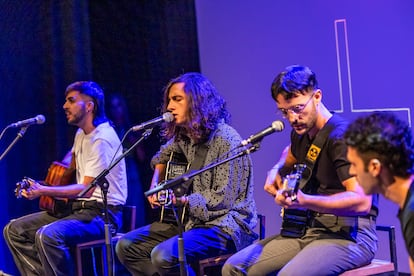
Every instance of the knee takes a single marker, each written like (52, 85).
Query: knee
(39, 237)
(287, 272)
(6, 232)
(161, 259)
(227, 269)
(48, 236)
(121, 249)
(10, 232)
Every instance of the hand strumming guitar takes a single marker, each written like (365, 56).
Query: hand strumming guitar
(153, 201)
(175, 166)
(284, 199)
(273, 181)
(289, 195)
(182, 200)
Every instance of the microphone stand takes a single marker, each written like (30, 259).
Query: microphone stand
(19, 135)
(101, 181)
(181, 256)
(169, 184)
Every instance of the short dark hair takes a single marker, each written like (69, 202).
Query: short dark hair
(295, 79)
(94, 91)
(383, 136)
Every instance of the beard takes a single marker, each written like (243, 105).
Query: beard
(303, 127)
(77, 118)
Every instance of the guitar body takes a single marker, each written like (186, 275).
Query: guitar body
(295, 221)
(56, 176)
(176, 166)
(58, 207)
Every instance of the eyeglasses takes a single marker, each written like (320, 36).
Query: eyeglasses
(296, 110)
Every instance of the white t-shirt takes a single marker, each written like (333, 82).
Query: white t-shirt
(93, 153)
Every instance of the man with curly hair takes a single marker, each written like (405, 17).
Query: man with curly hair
(220, 205)
(381, 152)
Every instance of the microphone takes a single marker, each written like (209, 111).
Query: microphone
(39, 119)
(166, 117)
(275, 126)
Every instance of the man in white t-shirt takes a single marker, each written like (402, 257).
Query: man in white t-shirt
(41, 242)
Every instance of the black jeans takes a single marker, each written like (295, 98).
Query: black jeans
(153, 249)
(41, 244)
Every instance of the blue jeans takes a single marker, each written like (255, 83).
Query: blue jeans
(41, 244)
(153, 249)
(319, 252)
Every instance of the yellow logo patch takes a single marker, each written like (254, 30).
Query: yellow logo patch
(313, 153)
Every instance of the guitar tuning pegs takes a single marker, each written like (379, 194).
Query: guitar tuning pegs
(20, 186)
(300, 167)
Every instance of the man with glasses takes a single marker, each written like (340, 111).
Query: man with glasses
(328, 224)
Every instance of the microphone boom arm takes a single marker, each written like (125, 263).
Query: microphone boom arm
(17, 138)
(101, 177)
(187, 176)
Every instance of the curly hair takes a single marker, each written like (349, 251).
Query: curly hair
(295, 79)
(383, 136)
(94, 91)
(206, 107)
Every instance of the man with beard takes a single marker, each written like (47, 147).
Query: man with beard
(328, 223)
(41, 242)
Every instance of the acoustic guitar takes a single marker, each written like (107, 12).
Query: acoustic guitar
(294, 221)
(176, 166)
(57, 175)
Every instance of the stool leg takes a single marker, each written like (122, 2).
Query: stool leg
(79, 261)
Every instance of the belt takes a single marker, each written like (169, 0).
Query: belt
(93, 204)
(371, 217)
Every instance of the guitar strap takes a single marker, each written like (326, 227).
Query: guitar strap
(198, 162)
(200, 157)
(315, 149)
(295, 221)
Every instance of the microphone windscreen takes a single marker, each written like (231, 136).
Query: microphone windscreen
(40, 119)
(278, 125)
(168, 117)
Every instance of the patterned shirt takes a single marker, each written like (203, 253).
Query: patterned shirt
(223, 195)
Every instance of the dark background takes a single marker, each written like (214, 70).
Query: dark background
(130, 47)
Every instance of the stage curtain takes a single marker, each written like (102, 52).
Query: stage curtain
(129, 47)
